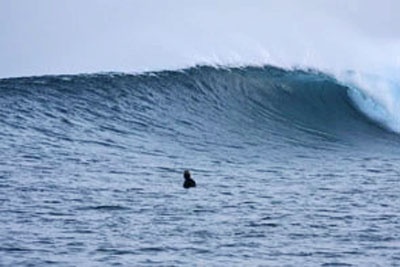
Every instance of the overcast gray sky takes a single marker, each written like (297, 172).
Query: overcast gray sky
(74, 36)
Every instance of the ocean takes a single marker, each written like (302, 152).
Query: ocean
(294, 167)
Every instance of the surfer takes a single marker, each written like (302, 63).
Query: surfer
(189, 182)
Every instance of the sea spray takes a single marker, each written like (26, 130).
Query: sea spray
(377, 96)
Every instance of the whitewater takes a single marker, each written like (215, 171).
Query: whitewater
(287, 116)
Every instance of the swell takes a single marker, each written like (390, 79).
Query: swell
(203, 107)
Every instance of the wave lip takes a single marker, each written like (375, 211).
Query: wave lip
(376, 96)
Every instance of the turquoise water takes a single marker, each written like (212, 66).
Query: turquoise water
(289, 171)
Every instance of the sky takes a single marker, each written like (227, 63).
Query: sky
(73, 36)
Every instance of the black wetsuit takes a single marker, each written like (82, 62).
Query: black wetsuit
(189, 182)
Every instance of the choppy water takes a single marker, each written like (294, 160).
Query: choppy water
(289, 171)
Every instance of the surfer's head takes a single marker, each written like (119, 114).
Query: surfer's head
(186, 174)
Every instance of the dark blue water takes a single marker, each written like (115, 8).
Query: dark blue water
(289, 172)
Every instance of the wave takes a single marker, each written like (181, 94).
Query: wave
(219, 107)
(150, 39)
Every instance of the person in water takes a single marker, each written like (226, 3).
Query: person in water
(189, 182)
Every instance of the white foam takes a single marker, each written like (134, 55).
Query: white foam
(378, 96)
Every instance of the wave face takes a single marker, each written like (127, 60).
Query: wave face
(254, 105)
(202, 109)
(89, 156)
